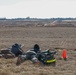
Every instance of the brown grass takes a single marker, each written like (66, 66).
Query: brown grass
(47, 38)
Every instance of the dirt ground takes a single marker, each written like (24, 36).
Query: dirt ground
(47, 38)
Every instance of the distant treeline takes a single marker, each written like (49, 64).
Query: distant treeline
(28, 18)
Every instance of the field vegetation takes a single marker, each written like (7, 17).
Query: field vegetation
(47, 38)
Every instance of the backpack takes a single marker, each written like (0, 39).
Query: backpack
(47, 57)
(16, 49)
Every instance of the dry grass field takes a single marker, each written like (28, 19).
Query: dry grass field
(46, 37)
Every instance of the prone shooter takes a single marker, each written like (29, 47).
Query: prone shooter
(36, 56)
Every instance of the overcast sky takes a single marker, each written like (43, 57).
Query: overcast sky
(37, 8)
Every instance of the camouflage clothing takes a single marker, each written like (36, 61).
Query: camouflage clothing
(29, 55)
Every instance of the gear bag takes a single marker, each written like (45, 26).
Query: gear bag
(47, 57)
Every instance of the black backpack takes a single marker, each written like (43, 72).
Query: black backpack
(16, 49)
(47, 57)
